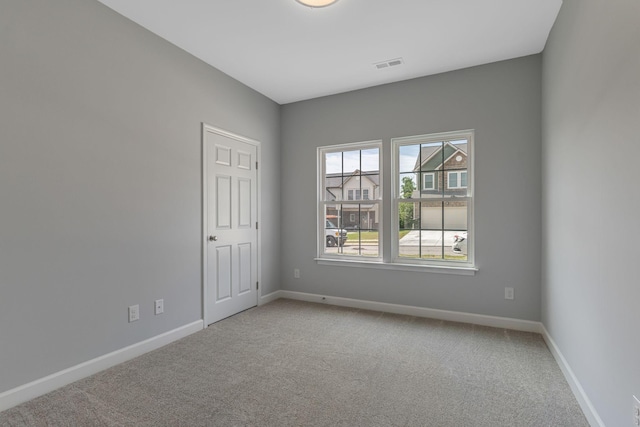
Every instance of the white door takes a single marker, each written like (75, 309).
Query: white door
(230, 221)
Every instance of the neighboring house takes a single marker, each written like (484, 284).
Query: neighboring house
(441, 172)
(353, 191)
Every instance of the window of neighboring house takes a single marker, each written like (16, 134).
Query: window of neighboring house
(429, 181)
(457, 179)
(340, 167)
(432, 222)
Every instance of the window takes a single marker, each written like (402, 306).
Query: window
(431, 202)
(428, 181)
(433, 216)
(344, 171)
(457, 179)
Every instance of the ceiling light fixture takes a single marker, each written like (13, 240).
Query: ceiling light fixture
(317, 3)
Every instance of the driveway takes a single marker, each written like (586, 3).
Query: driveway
(429, 238)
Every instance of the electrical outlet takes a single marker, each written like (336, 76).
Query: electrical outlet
(636, 411)
(134, 313)
(296, 273)
(159, 306)
(508, 293)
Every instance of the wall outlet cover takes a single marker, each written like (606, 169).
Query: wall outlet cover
(508, 293)
(134, 313)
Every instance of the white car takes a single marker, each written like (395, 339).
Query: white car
(460, 243)
(334, 236)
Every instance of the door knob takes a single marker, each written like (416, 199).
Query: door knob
(213, 238)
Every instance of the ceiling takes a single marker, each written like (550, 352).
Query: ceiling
(290, 52)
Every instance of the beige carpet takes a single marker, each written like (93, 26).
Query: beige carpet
(291, 363)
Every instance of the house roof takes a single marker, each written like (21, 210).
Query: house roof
(431, 151)
(335, 181)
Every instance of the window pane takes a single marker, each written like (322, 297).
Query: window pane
(334, 234)
(370, 161)
(453, 180)
(431, 215)
(463, 179)
(333, 163)
(431, 185)
(408, 158)
(371, 181)
(351, 161)
(408, 186)
(362, 236)
(455, 215)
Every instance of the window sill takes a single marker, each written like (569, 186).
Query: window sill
(445, 269)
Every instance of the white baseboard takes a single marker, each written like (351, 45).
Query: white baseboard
(583, 400)
(49, 383)
(454, 316)
(270, 297)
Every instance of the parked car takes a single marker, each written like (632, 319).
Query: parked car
(334, 235)
(460, 243)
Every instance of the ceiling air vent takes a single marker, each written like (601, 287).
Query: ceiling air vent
(389, 63)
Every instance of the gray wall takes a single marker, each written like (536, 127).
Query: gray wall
(591, 290)
(502, 103)
(100, 182)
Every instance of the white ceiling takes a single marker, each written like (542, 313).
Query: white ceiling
(290, 52)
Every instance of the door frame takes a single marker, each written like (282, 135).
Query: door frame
(205, 206)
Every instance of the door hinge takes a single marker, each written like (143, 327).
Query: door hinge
(256, 225)
(257, 285)
(256, 165)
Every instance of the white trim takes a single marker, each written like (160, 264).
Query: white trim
(458, 179)
(270, 297)
(445, 137)
(36, 388)
(583, 400)
(321, 203)
(433, 181)
(208, 128)
(422, 268)
(432, 313)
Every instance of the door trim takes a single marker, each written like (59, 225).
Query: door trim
(205, 226)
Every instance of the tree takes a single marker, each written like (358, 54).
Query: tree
(408, 187)
(405, 210)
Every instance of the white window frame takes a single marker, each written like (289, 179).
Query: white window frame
(396, 143)
(458, 175)
(321, 241)
(389, 250)
(365, 194)
(433, 181)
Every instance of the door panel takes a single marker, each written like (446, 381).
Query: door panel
(244, 203)
(223, 202)
(244, 258)
(230, 225)
(223, 270)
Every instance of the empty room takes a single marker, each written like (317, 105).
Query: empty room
(319, 213)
